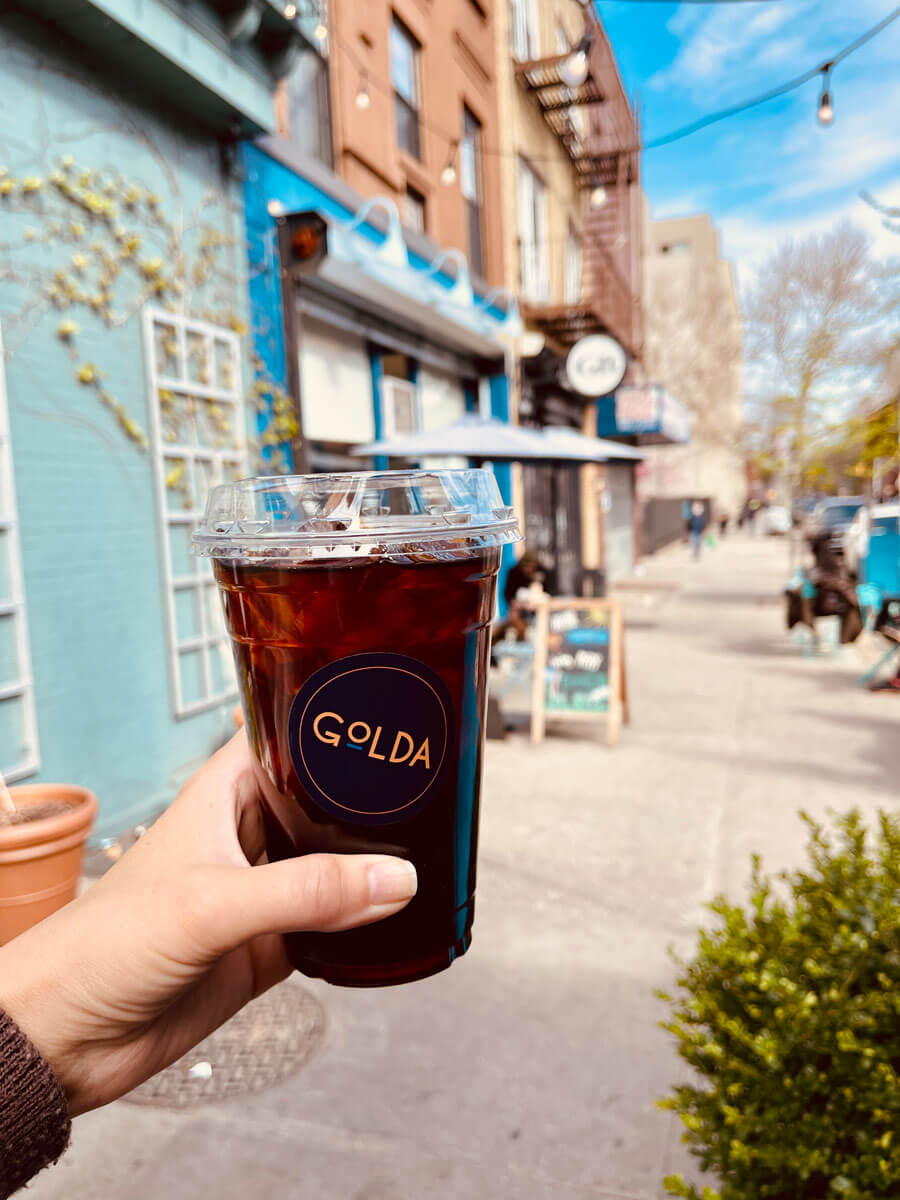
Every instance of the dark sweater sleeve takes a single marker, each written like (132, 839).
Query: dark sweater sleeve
(34, 1119)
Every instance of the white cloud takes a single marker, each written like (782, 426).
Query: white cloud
(679, 204)
(729, 50)
(776, 174)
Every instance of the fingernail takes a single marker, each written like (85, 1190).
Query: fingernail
(392, 880)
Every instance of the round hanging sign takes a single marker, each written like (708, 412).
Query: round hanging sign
(596, 365)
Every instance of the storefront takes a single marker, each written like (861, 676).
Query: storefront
(579, 520)
(553, 494)
(618, 510)
(641, 415)
(374, 329)
(123, 378)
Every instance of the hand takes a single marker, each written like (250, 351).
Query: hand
(179, 935)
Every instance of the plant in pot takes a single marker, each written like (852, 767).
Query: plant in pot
(789, 1015)
(43, 829)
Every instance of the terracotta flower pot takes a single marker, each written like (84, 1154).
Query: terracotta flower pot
(40, 860)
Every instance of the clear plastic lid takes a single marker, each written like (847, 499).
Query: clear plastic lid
(357, 512)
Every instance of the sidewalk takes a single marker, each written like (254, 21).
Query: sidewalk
(530, 1069)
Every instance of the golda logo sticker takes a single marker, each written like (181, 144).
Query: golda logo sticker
(370, 736)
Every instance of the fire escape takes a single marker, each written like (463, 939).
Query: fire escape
(599, 131)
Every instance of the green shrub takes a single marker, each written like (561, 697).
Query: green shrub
(790, 1013)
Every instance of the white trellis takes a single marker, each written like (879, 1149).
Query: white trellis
(198, 440)
(19, 750)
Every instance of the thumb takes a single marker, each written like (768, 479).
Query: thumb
(322, 892)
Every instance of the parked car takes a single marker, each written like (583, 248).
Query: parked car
(878, 521)
(832, 517)
(801, 509)
(776, 519)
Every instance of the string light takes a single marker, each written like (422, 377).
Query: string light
(598, 196)
(363, 99)
(826, 111)
(320, 33)
(290, 11)
(448, 175)
(574, 70)
(684, 131)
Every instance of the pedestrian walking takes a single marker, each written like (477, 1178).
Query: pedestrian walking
(752, 509)
(696, 525)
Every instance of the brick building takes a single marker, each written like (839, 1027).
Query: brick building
(571, 230)
(413, 93)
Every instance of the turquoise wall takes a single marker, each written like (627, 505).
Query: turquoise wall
(91, 556)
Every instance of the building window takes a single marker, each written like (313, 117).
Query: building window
(572, 284)
(677, 248)
(525, 25)
(400, 411)
(198, 440)
(533, 261)
(414, 210)
(19, 751)
(308, 107)
(405, 79)
(471, 187)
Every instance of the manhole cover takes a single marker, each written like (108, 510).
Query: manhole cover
(263, 1044)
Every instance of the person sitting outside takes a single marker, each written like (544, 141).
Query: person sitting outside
(521, 577)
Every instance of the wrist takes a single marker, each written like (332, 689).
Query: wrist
(27, 997)
(34, 1120)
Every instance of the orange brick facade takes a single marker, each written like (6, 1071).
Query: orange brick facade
(456, 70)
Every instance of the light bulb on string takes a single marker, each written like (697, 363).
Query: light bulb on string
(574, 70)
(320, 33)
(363, 99)
(598, 196)
(290, 11)
(826, 110)
(448, 175)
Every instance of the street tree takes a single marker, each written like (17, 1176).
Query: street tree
(818, 322)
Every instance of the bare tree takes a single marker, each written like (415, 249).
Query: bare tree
(817, 322)
(890, 213)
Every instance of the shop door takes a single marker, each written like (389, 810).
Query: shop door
(619, 524)
(553, 524)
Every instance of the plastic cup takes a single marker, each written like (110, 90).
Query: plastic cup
(359, 608)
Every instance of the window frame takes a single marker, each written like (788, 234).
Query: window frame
(407, 108)
(19, 689)
(412, 195)
(533, 257)
(573, 267)
(471, 163)
(218, 462)
(390, 383)
(525, 30)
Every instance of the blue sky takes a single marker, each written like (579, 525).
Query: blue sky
(774, 172)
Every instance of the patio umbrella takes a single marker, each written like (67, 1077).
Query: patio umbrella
(489, 439)
(593, 449)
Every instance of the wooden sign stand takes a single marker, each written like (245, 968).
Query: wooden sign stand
(618, 710)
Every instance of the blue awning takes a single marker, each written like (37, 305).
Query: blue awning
(645, 412)
(377, 266)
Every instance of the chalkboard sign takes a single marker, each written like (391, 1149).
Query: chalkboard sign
(579, 664)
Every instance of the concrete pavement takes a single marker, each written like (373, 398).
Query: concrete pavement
(531, 1068)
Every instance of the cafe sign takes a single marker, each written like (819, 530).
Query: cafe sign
(596, 365)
